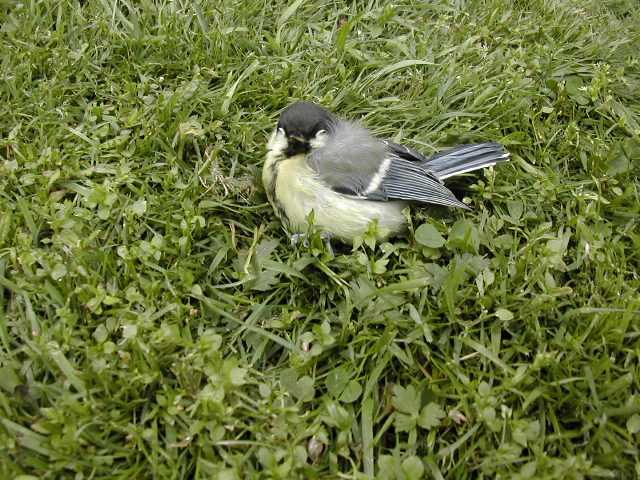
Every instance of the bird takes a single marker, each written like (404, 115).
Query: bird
(337, 169)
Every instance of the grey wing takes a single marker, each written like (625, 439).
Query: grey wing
(394, 178)
(357, 164)
(350, 161)
(403, 151)
(407, 180)
(355, 184)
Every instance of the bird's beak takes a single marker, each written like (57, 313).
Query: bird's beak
(297, 145)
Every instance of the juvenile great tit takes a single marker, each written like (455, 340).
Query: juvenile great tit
(347, 177)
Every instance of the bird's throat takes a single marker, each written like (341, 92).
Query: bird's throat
(296, 147)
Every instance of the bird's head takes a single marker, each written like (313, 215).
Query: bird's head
(302, 127)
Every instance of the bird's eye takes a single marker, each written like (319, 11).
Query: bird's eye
(321, 132)
(281, 131)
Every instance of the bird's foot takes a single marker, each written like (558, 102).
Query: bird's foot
(326, 238)
(296, 237)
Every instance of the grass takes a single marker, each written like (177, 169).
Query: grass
(155, 322)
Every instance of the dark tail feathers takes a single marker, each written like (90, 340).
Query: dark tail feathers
(466, 158)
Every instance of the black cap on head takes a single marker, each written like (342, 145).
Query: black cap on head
(304, 119)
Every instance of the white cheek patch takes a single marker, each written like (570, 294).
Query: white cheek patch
(378, 177)
(278, 142)
(320, 140)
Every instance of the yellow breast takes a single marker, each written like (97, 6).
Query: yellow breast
(295, 190)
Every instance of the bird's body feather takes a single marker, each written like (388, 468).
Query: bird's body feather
(296, 190)
(349, 178)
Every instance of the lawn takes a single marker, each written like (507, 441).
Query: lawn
(156, 323)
